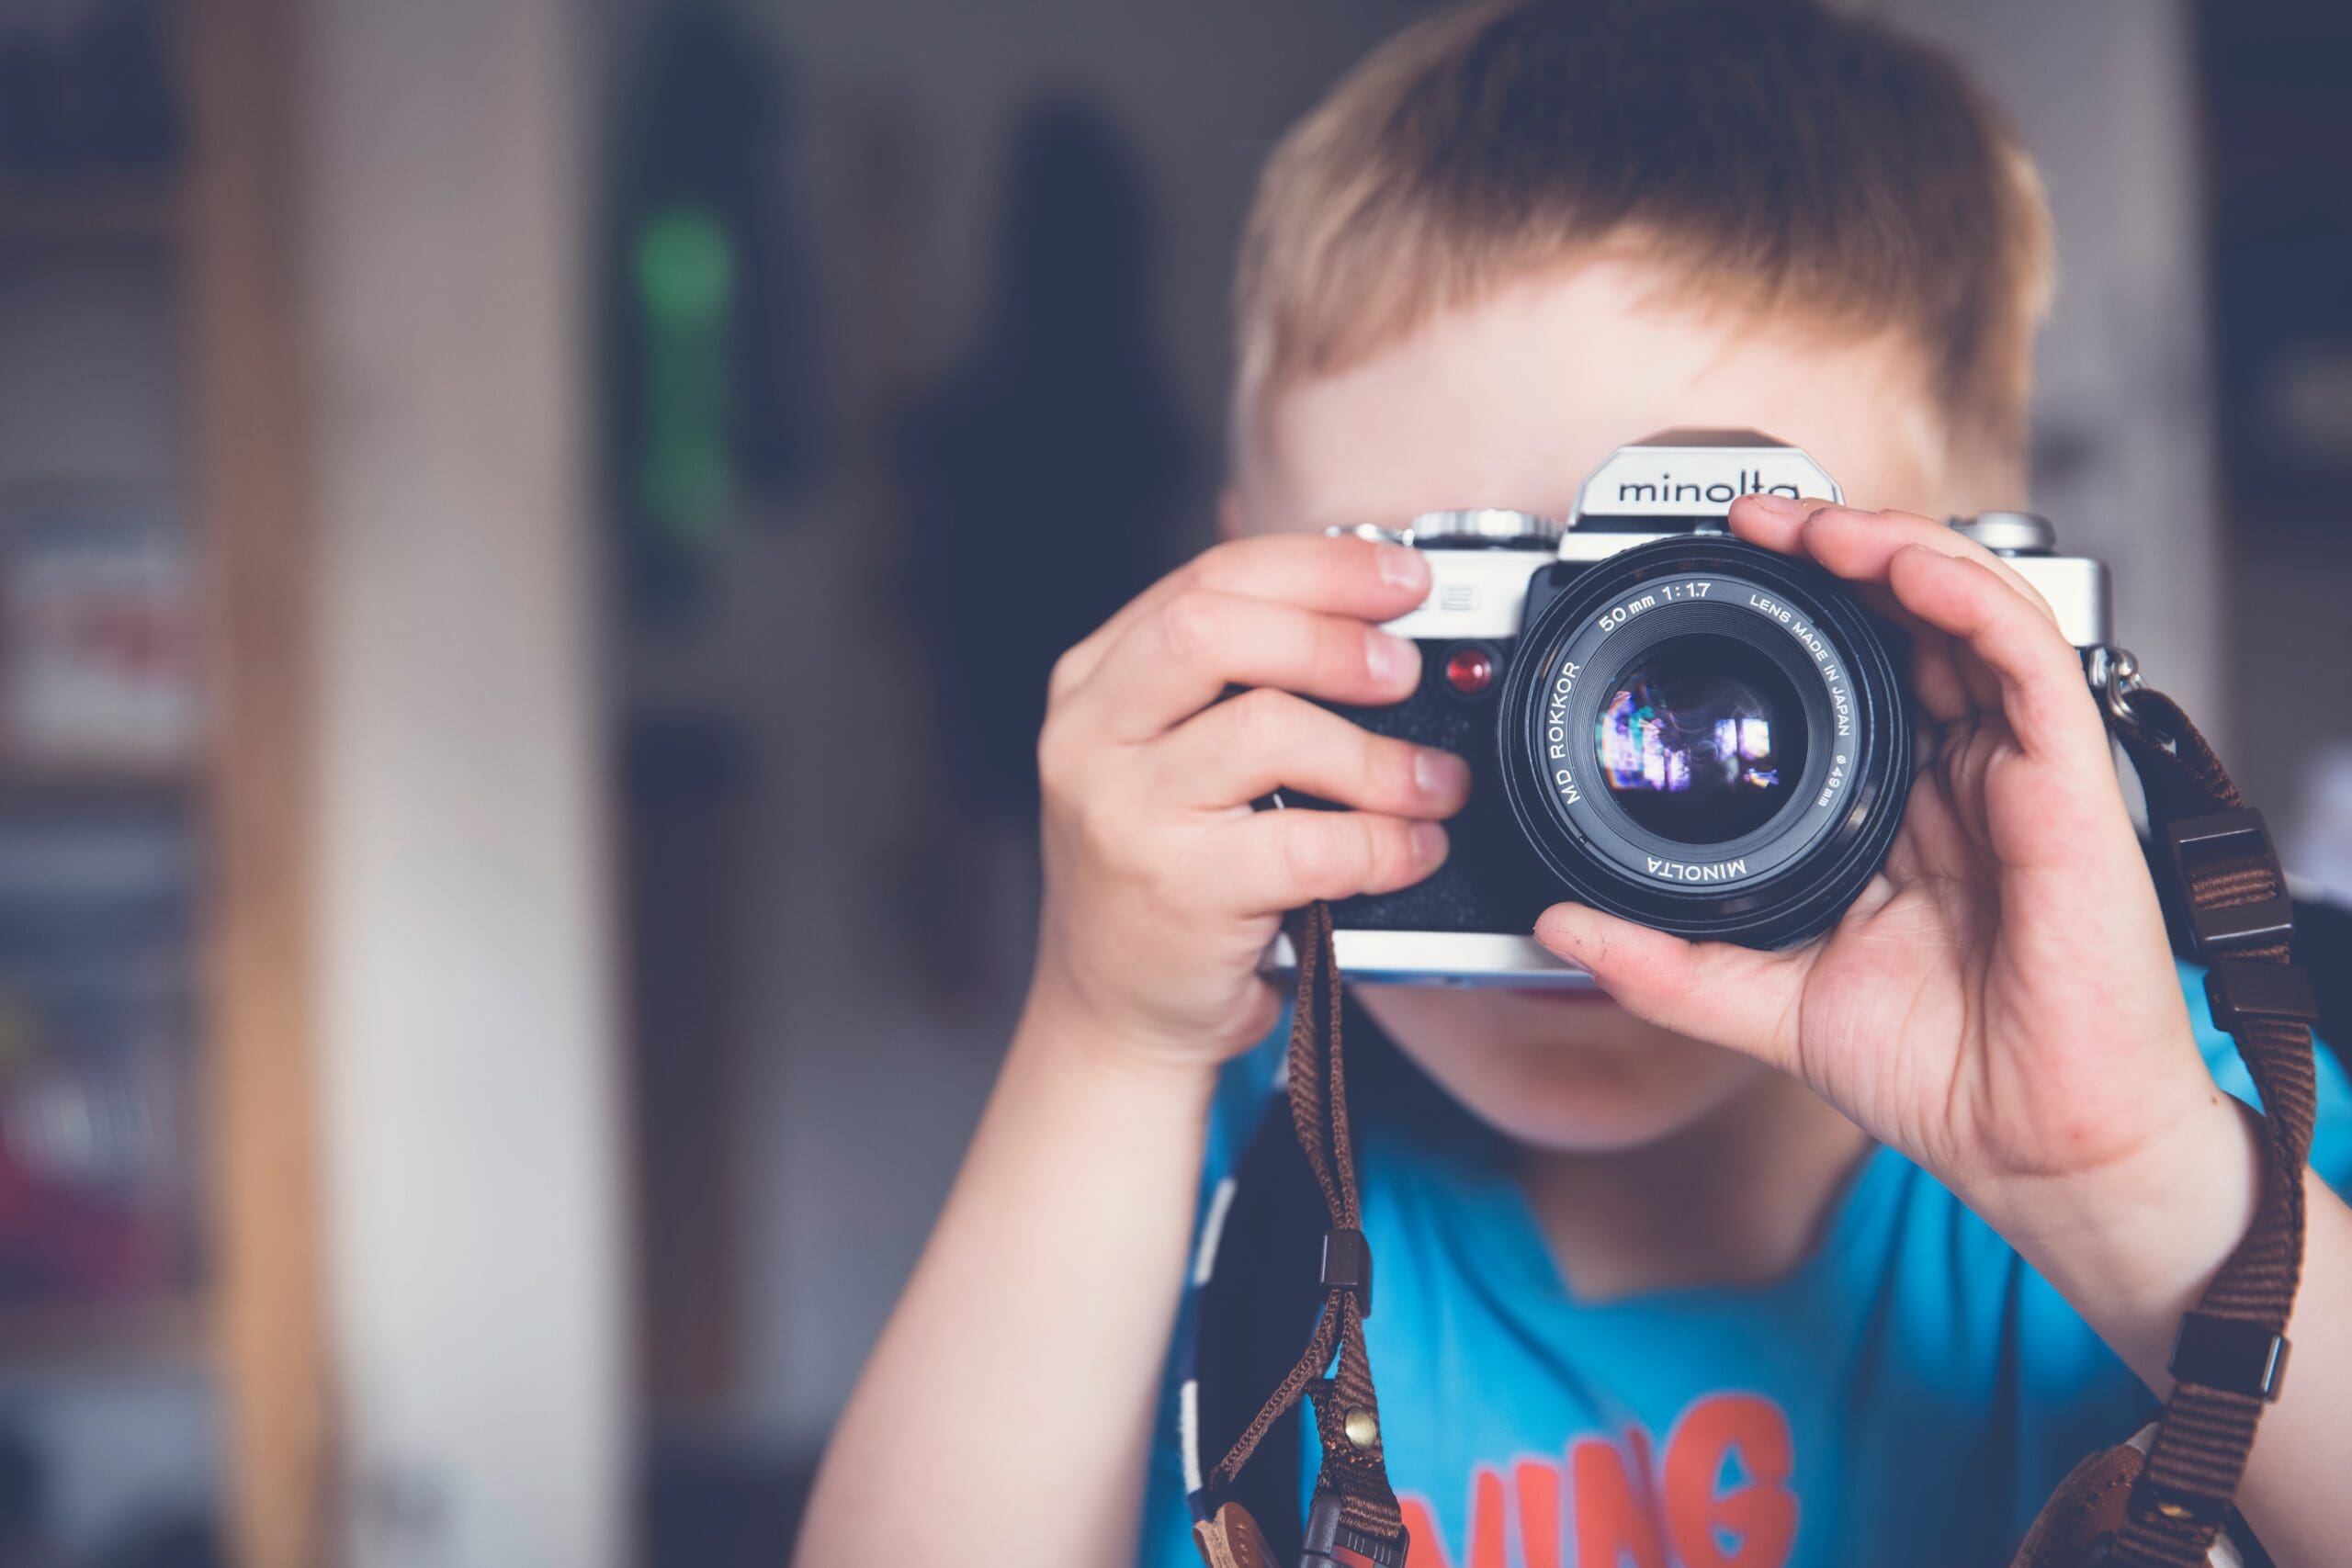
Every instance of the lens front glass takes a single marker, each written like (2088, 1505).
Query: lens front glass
(1703, 740)
(1704, 737)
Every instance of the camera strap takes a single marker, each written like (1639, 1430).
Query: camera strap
(1354, 1521)
(2226, 893)
(2160, 1502)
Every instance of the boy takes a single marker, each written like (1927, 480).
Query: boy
(1836, 1255)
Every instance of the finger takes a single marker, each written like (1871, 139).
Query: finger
(1774, 522)
(1943, 692)
(1176, 659)
(1728, 995)
(1280, 859)
(1789, 526)
(1858, 545)
(1264, 740)
(2040, 677)
(1369, 579)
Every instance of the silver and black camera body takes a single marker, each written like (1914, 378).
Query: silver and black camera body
(1661, 720)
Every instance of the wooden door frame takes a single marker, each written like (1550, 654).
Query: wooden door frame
(245, 403)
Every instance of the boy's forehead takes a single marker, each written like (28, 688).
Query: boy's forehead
(1511, 401)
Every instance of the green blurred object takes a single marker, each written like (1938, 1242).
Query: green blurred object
(685, 266)
(712, 348)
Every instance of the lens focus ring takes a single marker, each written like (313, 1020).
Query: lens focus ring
(1707, 737)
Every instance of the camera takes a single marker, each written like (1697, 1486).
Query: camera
(1661, 720)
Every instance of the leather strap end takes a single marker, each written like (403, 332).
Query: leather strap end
(1230, 1538)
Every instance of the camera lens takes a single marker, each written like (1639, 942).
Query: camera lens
(1705, 736)
(1703, 740)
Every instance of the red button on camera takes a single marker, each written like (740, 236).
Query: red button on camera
(1470, 670)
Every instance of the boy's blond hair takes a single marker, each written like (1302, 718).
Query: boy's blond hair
(1773, 156)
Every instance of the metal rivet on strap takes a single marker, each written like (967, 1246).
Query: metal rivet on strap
(1363, 1427)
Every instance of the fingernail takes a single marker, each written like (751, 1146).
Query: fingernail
(1776, 508)
(1440, 775)
(1401, 567)
(1429, 842)
(1392, 659)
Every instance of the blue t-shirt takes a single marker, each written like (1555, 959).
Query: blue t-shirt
(1910, 1393)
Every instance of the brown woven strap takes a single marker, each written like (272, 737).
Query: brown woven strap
(2184, 1491)
(2187, 1488)
(1355, 1472)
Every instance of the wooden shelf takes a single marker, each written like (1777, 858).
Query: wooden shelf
(157, 1333)
(48, 785)
(89, 208)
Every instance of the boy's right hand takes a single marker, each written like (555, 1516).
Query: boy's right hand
(1162, 885)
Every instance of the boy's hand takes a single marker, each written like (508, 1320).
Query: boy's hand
(1162, 885)
(2000, 1004)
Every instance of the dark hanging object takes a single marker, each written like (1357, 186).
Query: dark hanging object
(1044, 479)
(1047, 478)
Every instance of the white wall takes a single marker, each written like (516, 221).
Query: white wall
(473, 1166)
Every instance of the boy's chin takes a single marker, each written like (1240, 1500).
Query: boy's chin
(1555, 1075)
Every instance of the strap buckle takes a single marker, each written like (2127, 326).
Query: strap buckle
(2197, 843)
(1347, 1266)
(2241, 991)
(1330, 1543)
(2188, 1510)
(2230, 1355)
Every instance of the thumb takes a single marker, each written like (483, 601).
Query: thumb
(1726, 995)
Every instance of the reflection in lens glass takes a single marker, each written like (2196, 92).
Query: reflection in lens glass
(1703, 740)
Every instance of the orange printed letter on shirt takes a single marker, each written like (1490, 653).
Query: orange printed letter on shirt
(1612, 1527)
(1538, 1485)
(1422, 1546)
(1426, 1547)
(1760, 1514)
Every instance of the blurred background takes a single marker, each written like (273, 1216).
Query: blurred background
(531, 532)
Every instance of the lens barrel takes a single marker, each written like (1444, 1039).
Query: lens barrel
(1707, 737)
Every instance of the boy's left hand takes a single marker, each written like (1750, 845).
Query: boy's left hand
(2000, 1004)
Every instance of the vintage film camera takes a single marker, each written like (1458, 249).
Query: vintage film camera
(1661, 720)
